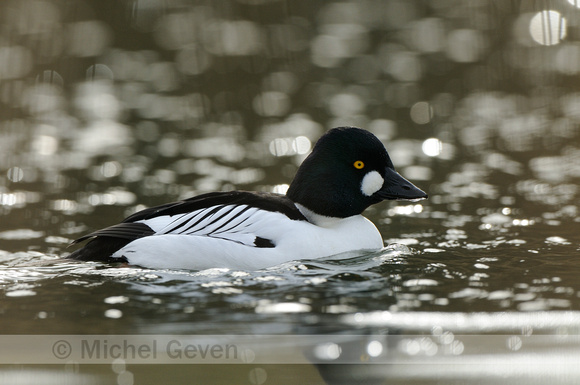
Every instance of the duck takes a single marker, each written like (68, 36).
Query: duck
(320, 215)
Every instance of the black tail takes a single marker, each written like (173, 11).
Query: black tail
(100, 249)
(106, 242)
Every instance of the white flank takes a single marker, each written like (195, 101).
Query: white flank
(232, 246)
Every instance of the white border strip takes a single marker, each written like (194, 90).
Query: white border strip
(533, 351)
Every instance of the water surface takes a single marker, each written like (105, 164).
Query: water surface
(110, 107)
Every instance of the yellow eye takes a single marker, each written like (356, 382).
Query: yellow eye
(359, 164)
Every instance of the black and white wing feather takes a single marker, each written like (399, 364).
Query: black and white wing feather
(230, 216)
(229, 222)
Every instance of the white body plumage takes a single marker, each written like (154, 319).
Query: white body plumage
(202, 246)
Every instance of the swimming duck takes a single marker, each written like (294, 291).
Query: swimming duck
(348, 170)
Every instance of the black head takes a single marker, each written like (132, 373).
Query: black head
(347, 171)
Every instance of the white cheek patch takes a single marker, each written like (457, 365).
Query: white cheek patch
(371, 183)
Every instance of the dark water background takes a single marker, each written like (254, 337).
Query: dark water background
(108, 107)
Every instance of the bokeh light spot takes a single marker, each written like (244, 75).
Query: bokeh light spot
(235, 38)
(421, 112)
(328, 351)
(567, 59)
(432, 147)
(346, 104)
(290, 146)
(193, 60)
(375, 348)
(45, 145)
(328, 51)
(465, 45)
(111, 169)
(548, 28)
(15, 174)
(88, 38)
(272, 103)
(402, 65)
(15, 62)
(51, 77)
(99, 71)
(428, 35)
(280, 188)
